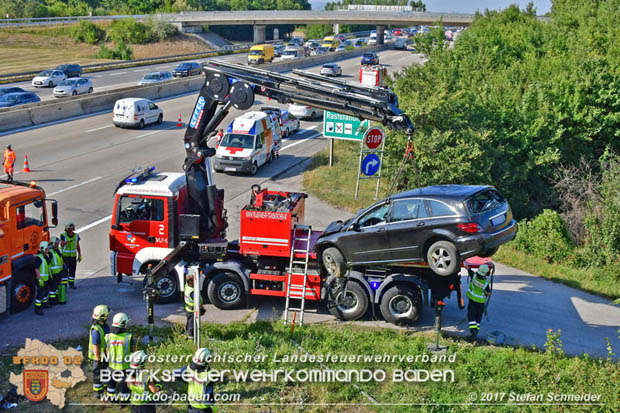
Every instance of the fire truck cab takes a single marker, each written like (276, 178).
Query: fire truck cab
(373, 75)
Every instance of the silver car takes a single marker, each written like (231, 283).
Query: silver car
(331, 69)
(301, 111)
(155, 77)
(73, 86)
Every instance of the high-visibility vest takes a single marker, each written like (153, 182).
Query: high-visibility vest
(70, 248)
(44, 268)
(102, 345)
(57, 264)
(189, 299)
(477, 288)
(140, 392)
(196, 393)
(118, 346)
(9, 158)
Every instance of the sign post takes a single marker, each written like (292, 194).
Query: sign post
(370, 165)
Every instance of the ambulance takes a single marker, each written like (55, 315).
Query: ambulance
(250, 141)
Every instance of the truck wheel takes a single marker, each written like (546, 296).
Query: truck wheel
(168, 288)
(254, 168)
(23, 289)
(333, 261)
(349, 307)
(443, 258)
(401, 305)
(226, 291)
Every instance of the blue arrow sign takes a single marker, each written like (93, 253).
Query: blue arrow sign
(371, 164)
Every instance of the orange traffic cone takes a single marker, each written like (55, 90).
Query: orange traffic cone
(179, 123)
(26, 166)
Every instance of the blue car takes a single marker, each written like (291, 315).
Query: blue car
(370, 59)
(21, 98)
(13, 89)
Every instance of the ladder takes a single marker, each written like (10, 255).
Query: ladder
(305, 235)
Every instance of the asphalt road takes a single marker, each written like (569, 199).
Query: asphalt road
(80, 162)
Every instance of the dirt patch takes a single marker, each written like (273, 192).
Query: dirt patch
(180, 44)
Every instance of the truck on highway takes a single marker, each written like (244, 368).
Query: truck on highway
(261, 53)
(372, 75)
(24, 216)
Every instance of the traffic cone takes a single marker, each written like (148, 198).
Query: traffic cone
(26, 166)
(179, 123)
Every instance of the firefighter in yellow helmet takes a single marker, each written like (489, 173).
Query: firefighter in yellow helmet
(120, 343)
(142, 389)
(42, 271)
(199, 389)
(97, 345)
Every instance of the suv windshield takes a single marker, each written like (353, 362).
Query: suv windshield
(235, 140)
(152, 76)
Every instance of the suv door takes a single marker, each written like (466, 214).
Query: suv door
(365, 242)
(406, 228)
(442, 216)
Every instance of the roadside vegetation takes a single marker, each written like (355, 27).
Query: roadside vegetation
(476, 366)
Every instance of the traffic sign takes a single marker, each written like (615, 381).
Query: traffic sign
(371, 164)
(373, 137)
(339, 126)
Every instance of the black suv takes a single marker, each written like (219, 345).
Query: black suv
(187, 69)
(440, 225)
(71, 70)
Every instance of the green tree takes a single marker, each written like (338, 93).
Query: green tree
(318, 31)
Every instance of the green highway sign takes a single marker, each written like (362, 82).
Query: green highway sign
(339, 126)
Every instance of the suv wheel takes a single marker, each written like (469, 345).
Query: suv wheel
(333, 261)
(350, 306)
(443, 258)
(401, 305)
(253, 168)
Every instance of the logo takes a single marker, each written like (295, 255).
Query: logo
(35, 384)
(131, 238)
(197, 111)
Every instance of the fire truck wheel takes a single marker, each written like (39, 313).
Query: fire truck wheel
(334, 262)
(254, 168)
(23, 289)
(401, 305)
(226, 291)
(168, 288)
(443, 258)
(351, 306)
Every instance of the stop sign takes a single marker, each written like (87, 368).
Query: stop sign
(373, 137)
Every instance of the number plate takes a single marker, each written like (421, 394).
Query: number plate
(499, 220)
(230, 169)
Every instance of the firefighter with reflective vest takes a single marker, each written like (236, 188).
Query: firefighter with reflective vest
(120, 344)
(9, 162)
(56, 269)
(199, 389)
(142, 389)
(478, 292)
(99, 329)
(188, 294)
(71, 251)
(42, 271)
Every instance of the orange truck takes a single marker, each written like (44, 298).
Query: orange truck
(24, 213)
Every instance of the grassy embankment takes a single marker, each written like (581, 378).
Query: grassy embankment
(488, 369)
(344, 173)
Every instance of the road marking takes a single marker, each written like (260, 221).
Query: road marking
(116, 74)
(301, 141)
(312, 127)
(142, 70)
(102, 127)
(75, 186)
(154, 132)
(94, 224)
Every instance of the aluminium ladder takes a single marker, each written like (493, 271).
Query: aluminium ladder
(307, 231)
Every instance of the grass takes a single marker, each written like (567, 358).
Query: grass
(476, 366)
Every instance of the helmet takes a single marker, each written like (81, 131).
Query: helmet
(8, 146)
(69, 224)
(120, 320)
(483, 270)
(43, 245)
(54, 240)
(137, 359)
(202, 356)
(101, 312)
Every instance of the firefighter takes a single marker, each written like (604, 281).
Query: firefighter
(119, 343)
(199, 389)
(42, 271)
(99, 329)
(56, 269)
(188, 293)
(477, 293)
(140, 386)
(70, 242)
(9, 162)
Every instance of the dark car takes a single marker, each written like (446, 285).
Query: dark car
(187, 69)
(71, 70)
(21, 98)
(440, 225)
(370, 59)
(5, 90)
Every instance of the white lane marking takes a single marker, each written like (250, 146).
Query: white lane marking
(312, 127)
(94, 224)
(301, 141)
(116, 74)
(102, 127)
(142, 70)
(75, 186)
(154, 132)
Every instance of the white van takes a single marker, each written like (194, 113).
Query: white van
(250, 141)
(292, 52)
(372, 40)
(136, 112)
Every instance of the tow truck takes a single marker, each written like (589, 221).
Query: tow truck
(175, 222)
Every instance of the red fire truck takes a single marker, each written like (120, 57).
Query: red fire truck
(373, 75)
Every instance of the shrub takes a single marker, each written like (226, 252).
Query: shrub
(122, 52)
(546, 237)
(159, 30)
(128, 31)
(87, 32)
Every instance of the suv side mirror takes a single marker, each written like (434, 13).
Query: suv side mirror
(355, 226)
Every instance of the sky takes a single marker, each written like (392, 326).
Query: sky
(466, 6)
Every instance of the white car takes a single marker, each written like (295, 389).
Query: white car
(73, 86)
(48, 78)
(304, 111)
(155, 77)
(290, 124)
(136, 112)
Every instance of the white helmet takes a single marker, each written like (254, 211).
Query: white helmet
(483, 270)
(137, 359)
(202, 356)
(120, 320)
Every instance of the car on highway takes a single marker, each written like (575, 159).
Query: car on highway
(13, 89)
(71, 70)
(372, 40)
(341, 37)
(187, 69)
(292, 52)
(48, 78)
(440, 225)
(278, 49)
(296, 41)
(19, 98)
(360, 43)
(302, 111)
(136, 112)
(319, 51)
(397, 32)
(312, 44)
(370, 59)
(331, 69)
(340, 48)
(73, 86)
(155, 77)
(290, 124)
